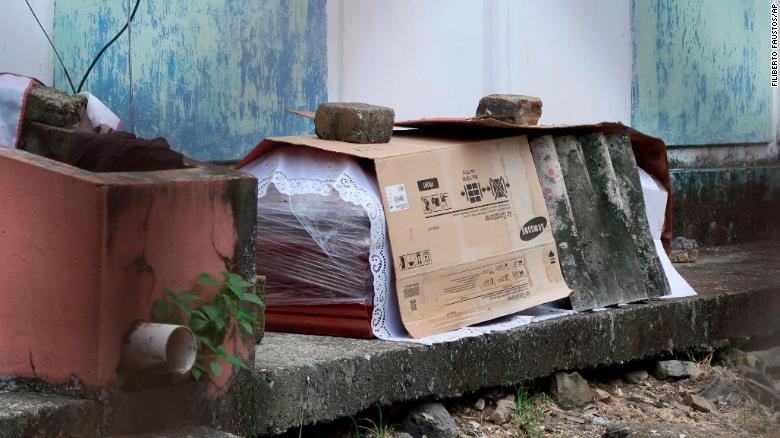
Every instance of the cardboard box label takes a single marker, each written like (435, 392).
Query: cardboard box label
(474, 293)
(396, 198)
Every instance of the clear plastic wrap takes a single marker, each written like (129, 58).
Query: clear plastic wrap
(313, 249)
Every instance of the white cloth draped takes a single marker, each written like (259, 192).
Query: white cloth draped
(13, 96)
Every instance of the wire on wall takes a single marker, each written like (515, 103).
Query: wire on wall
(51, 43)
(116, 37)
(130, 65)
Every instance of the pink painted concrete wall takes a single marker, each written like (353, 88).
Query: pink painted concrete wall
(83, 255)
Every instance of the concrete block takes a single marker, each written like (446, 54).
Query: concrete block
(511, 108)
(354, 122)
(45, 140)
(182, 432)
(303, 379)
(323, 378)
(53, 107)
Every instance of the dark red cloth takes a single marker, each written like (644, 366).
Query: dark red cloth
(120, 152)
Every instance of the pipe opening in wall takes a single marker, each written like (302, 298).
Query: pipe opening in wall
(159, 348)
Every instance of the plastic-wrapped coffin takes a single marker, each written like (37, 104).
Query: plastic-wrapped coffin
(597, 214)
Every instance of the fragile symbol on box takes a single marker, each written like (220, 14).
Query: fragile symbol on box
(415, 259)
(499, 187)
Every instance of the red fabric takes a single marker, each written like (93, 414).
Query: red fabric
(119, 151)
(349, 320)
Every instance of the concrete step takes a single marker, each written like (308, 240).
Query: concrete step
(183, 432)
(38, 415)
(300, 379)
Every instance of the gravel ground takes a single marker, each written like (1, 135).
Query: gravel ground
(650, 408)
(738, 397)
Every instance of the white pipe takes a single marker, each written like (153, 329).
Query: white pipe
(162, 348)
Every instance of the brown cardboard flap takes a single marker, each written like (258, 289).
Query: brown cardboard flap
(650, 152)
(399, 145)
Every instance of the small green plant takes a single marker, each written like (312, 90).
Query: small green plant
(210, 321)
(735, 347)
(378, 429)
(528, 412)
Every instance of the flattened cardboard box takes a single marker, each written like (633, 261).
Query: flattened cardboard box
(467, 225)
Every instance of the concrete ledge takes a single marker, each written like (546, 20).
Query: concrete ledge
(184, 432)
(312, 379)
(36, 415)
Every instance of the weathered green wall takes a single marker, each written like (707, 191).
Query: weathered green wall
(212, 76)
(701, 71)
(726, 205)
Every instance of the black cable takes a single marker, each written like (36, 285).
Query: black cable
(100, 53)
(67, 74)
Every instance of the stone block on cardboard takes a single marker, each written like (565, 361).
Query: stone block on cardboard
(354, 122)
(511, 108)
(53, 107)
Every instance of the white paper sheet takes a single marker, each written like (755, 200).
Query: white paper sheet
(655, 204)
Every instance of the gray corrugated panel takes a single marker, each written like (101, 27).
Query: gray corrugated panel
(562, 222)
(597, 215)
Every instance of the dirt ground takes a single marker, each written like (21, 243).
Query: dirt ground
(732, 395)
(648, 408)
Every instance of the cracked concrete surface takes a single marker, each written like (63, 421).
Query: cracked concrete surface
(299, 379)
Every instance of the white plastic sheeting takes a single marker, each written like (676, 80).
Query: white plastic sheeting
(655, 204)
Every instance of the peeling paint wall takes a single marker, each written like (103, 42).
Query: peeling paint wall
(212, 76)
(726, 205)
(701, 71)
